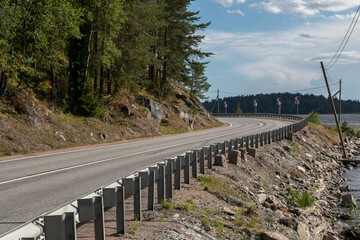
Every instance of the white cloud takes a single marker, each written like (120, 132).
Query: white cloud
(229, 3)
(283, 60)
(236, 12)
(305, 7)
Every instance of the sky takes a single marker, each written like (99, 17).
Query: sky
(270, 46)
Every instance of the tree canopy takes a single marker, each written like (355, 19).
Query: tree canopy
(267, 104)
(73, 52)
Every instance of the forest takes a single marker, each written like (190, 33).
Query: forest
(74, 53)
(267, 103)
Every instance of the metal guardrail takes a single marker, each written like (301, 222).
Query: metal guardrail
(60, 224)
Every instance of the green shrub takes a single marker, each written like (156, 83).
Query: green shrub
(292, 196)
(314, 118)
(89, 105)
(306, 200)
(166, 204)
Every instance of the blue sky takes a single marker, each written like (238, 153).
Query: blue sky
(277, 45)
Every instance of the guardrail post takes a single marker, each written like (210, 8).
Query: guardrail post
(177, 181)
(210, 157)
(273, 135)
(283, 133)
(202, 160)
(262, 139)
(93, 209)
(120, 209)
(169, 179)
(242, 142)
(247, 142)
(257, 141)
(252, 141)
(237, 143)
(161, 184)
(99, 218)
(187, 168)
(137, 199)
(224, 147)
(195, 155)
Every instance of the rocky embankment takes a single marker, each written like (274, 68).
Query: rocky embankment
(29, 125)
(289, 190)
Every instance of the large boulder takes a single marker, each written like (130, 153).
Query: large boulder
(157, 112)
(272, 236)
(348, 200)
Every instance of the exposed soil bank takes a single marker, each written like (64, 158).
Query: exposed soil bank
(28, 125)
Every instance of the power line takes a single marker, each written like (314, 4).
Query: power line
(295, 91)
(346, 37)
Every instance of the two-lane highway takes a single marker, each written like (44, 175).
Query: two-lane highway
(34, 185)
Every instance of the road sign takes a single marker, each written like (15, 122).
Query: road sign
(256, 101)
(225, 103)
(297, 98)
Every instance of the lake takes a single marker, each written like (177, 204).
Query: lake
(352, 119)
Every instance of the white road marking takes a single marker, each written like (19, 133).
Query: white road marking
(119, 157)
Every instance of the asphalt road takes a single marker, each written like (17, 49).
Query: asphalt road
(32, 186)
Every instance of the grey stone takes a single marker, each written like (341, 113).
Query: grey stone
(220, 160)
(272, 236)
(303, 231)
(157, 112)
(348, 200)
(261, 198)
(301, 169)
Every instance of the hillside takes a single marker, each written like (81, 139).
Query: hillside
(267, 104)
(29, 125)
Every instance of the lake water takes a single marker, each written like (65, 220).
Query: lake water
(352, 119)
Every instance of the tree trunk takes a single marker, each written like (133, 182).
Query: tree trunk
(87, 62)
(53, 83)
(3, 83)
(102, 80)
(109, 82)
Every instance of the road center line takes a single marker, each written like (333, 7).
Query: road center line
(120, 157)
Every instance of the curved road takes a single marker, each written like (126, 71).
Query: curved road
(32, 186)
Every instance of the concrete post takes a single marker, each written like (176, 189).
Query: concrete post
(187, 169)
(151, 190)
(137, 199)
(60, 227)
(177, 181)
(273, 135)
(202, 160)
(169, 179)
(242, 142)
(161, 184)
(262, 139)
(247, 142)
(195, 155)
(257, 141)
(120, 209)
(252, 141)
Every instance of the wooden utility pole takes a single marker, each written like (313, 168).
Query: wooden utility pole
(334, 111)
(340, 102)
